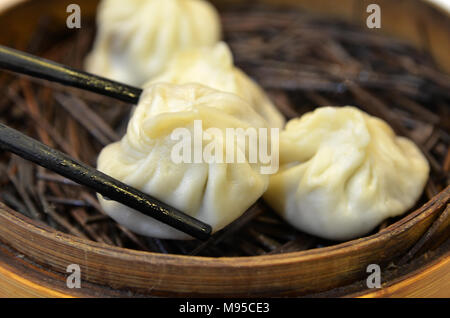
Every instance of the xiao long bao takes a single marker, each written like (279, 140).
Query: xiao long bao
(214, 67)
(214, 192)
(136, 38)
(342, 172)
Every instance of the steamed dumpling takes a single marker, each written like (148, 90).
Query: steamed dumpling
(215, 193)
(213, 67)
(136, 38)
(342, 172)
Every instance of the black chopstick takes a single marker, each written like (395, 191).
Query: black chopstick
(24, 63)
(30, 149)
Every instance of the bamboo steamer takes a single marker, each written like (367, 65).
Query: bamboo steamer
(34, 257)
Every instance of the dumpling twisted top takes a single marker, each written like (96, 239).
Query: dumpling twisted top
(214, 67)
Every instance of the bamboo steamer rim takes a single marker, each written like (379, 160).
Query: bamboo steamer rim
(193, 269)
(413, 223)
(391, 231)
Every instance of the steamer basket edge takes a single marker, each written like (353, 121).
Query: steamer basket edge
(173, 275)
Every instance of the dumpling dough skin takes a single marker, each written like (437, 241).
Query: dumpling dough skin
(215, 193)
(214, 67)
(342, 172)
(136, 38)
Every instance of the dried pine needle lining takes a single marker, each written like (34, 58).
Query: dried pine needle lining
(302, 62)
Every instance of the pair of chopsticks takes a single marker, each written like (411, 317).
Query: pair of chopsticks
(30, 149)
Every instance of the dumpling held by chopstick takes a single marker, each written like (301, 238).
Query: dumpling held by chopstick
(177, 149)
